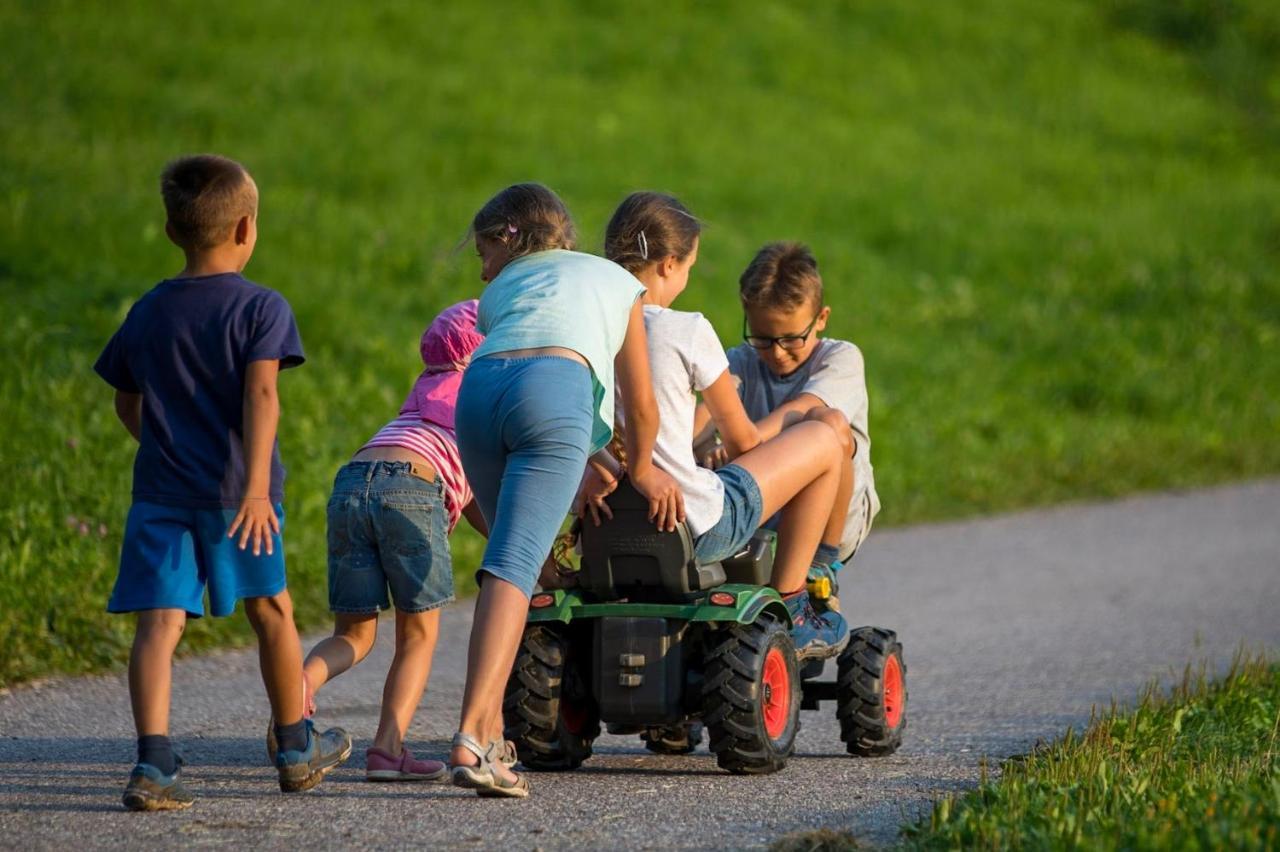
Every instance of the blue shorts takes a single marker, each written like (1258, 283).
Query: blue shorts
(387, 528)
(171, 553)
(743, 507)
(524, 432)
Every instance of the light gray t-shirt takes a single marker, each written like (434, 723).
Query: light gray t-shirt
(834, 374)
(685, 358)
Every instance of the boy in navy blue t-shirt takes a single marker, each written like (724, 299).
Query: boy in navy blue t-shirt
(194, 367)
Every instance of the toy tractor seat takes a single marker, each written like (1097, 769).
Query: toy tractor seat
(628, 557)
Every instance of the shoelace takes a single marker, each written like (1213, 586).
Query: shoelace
(814, 617)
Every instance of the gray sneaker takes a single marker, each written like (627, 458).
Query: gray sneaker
(149, 789)
(302, 770)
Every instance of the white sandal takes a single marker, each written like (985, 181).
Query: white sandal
(482, 778)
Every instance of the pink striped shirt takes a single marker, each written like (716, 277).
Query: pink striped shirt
(438, 446)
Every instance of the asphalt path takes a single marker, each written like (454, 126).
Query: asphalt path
(1014, 628)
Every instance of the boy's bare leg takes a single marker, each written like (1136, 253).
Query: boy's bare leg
(279, 653)
(833, 535)
(352, 639)
(416, 634)
(151, 668)
(797, 472)
(495, 637)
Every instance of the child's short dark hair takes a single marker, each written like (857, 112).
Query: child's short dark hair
(527, 218)
(647, 227)
(204, 196)
(781, 275)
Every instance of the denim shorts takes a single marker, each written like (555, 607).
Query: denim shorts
(743, 507)
(171, 554)
(387, 529)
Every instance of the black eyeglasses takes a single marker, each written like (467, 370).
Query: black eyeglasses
(786, 341)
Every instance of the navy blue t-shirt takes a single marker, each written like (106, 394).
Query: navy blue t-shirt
(186, 346)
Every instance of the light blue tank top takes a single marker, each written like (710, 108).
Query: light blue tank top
(563, 298)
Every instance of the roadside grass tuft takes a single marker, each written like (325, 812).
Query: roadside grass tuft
(1197, 767)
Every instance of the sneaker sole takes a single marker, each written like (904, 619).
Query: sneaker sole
(139, 801)
(316, 776)
(825, 652)
(397, 775)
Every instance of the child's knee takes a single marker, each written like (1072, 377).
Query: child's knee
(417, 626)
(839, 424)
(160, 625)
(359, 631)
(268, 613)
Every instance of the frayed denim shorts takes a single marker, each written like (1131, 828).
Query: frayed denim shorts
(743, 506)
(388, 531)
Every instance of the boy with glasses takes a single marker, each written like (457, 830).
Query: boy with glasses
(787, 373)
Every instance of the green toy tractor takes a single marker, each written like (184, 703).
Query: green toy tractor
(651, 642)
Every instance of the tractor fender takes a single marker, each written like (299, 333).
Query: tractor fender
(770, 603)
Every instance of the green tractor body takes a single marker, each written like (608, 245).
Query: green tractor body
(655, 643)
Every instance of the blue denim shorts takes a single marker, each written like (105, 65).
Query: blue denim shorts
(743, 507)
(388, 529)
(171, 554)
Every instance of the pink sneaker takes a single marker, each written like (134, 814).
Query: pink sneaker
(383, 766)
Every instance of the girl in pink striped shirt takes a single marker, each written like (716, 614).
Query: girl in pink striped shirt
(393, 507)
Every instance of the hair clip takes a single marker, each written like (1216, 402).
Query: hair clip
(644, 245)
(511, 229)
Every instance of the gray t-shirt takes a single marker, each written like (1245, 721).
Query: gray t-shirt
(685, 358)
(834, 374)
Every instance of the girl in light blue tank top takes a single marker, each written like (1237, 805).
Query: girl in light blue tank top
(535, 403)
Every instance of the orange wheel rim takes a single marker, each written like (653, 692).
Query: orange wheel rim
(777, 694)
(894, 692)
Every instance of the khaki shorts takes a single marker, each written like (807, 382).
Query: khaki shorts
(856, 529)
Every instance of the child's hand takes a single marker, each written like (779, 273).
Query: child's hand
(596, 485)
(716, 458)
(256, 522)
(666, 500)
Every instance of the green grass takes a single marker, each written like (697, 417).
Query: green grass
(1198, 768)
(1052, 227)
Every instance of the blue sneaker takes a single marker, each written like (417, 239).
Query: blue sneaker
(149, 789)
(817, 635)
(302, 770)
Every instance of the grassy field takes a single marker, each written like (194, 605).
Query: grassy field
(1194, 768)
(1052, 227)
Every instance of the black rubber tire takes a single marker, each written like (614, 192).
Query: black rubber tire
(545, 676)
(860, 693)
(678, 739)
(733, 696)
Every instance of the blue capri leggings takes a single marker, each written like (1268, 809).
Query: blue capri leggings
(524, 433)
